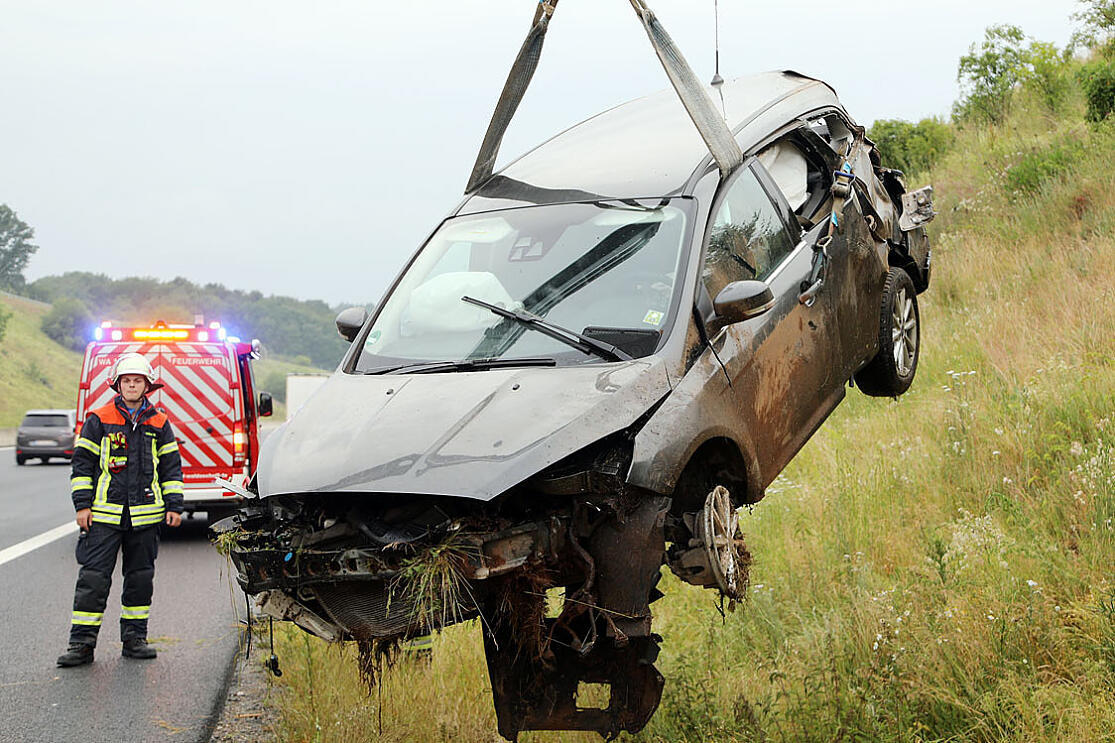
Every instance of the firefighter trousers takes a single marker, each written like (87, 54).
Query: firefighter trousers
(96, 554)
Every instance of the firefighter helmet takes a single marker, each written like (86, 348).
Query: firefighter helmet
(134, 363)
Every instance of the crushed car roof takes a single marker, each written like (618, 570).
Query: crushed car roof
(646, 147)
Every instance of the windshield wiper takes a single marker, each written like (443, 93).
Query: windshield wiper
(433, 367)
(582, 343)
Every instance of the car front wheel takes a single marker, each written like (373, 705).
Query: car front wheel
(892, 370)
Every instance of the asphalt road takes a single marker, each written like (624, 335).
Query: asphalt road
(193, 624)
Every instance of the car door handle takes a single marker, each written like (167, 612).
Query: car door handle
(812, 286)
(808, 296)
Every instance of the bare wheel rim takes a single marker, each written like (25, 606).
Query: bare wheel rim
(720, 527)
(904, 332)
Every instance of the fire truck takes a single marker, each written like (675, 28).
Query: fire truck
(209, 396)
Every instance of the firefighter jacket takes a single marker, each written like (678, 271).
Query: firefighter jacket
(123, 462)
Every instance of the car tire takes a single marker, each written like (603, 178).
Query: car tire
(20, 460)
(892, 370)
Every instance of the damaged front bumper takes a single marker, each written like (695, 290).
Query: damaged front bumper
(366, 592)
(342, 573)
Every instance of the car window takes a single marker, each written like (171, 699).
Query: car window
(46, 421)
(747, 239)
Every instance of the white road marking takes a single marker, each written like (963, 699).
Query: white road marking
(28, 545)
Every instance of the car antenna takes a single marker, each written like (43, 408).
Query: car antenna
(717, 81)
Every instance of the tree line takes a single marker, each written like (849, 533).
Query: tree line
(1005, 65)
(295, 329)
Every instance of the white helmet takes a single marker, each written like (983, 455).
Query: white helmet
(134, 363)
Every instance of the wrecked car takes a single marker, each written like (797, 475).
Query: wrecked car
(592, 363)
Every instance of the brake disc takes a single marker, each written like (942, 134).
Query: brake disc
(725, 550)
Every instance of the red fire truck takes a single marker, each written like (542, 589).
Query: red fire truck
(209, 396)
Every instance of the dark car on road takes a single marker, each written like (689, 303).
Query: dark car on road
(592, 363)
(44, 434)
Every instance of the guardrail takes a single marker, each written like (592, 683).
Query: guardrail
(28, 300)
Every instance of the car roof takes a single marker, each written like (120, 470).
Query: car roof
(66, 411)
(648, 147)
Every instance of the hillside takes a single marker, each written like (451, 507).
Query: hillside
(35, 372)
(932, 568)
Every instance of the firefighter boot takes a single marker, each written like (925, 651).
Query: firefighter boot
(138, 648)
(78, 655)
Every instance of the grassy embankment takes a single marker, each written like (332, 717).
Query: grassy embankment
(933, 568)
(35, 372)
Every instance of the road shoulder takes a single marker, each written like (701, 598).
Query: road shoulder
(249, 714)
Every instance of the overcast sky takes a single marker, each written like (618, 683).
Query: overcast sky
(308, 148)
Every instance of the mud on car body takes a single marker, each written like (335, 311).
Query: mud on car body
(592, 363)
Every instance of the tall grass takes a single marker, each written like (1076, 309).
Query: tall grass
(937, 568)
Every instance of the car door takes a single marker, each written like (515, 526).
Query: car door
(779, 364)
(857, 263)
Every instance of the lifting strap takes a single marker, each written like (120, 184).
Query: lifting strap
(522, 71)
(711, 124)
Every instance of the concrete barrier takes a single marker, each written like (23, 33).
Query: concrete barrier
(7, 436)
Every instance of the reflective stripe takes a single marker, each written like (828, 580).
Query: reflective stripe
(167, 448)
(135, 612)
(140, 510)
(147, 520)
(172, 486)
(80, 483)
(90, 618)
(109, 508)
(105, 518)
(85, 443)
(101, 496)
(155, 487)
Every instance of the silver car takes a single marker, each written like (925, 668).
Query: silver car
(44, 434)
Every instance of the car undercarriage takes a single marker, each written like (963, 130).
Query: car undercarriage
(380, 574)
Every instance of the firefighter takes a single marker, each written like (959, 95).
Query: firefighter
(127, 479)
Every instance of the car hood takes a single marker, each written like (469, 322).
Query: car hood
(467, 434)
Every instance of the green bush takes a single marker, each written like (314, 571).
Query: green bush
(911, 148)
(68, 323)
(991, 73)
(1098, 81)
(5, 316)
(1038, 167)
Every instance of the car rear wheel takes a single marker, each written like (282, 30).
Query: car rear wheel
(892, 370)
(20, 460)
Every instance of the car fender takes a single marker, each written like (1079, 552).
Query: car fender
(691, 415)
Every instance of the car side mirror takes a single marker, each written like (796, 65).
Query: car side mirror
(265, 404)
(741, 300)
(350, 321)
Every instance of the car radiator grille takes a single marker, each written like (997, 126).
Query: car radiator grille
(365, 611)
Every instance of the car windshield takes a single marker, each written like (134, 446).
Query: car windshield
(606, 270)
(38, 420)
